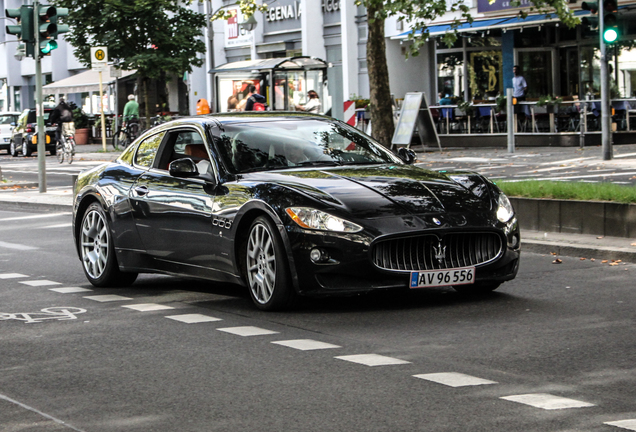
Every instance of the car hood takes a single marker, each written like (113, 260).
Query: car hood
(381, 191)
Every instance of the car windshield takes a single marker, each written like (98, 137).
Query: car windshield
(8, 118)
(262, 146)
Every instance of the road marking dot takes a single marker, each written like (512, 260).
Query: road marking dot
(624, 424)
(547, 401)
(11, 275)
(306, 344)
(37, 283)
(193, 318)
(247, 331)
(454, 379)
(67, 290)
(146, 307)
(108, 298)
(372, 360)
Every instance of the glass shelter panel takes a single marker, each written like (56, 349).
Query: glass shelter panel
(450, 75)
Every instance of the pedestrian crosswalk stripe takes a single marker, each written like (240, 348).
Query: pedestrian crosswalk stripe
(68, 290)
(43, 282)
(306, 344)
(193, 318)
(247, 331)
(146, 307)
(11, 275)
(372, 359)
(454, 379)
(108, 298)
(624, 424)
(547, 401)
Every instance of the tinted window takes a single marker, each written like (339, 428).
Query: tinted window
(147, 150)
(8, 118)
(263, 146)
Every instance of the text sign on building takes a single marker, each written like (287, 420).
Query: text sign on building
(99, 58)
(499, 5)
(285, 12)
(235, 36)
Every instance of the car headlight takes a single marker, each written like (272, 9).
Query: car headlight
(504, 209)
(310, 218)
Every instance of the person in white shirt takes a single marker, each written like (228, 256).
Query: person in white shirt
(519, 84)
(313, 104)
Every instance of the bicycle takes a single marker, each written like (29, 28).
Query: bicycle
(65, 150)
(125, 135)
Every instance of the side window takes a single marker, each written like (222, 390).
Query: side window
(184, 144)
(147, 150)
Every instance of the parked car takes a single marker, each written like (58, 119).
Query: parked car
(24, 135)
(289, 204)
(8, 120)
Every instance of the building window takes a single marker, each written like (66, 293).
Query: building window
(536, 68)
(16, 99)
(484, 74)
(450, 75)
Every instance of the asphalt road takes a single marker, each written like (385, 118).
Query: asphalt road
(75, 362)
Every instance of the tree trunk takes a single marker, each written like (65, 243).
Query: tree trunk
(380, 93)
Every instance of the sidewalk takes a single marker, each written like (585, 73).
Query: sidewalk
(574, 245)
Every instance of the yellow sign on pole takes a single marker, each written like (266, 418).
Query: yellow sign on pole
(99, 62)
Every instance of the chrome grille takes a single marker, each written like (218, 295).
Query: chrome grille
(431, 252)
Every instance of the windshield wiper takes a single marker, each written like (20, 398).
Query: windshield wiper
(319, 163)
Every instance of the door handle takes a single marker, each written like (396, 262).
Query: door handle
(141, 190)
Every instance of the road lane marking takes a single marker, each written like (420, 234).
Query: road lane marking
(624, 424)
(20, 404)
(108, 298)
(372, 359)
(40, 216)
(11, 275)
(454, 379)
(567, 161)
(631, 173)
(60, 313)
(64, 225)
(547, 401)
(247, 331)
(43, 282)
(306, 344)
(146, 307)
(193, 318)
(17, 246)
(68, 290)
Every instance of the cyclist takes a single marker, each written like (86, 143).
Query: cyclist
(131, 110)
(62, 114)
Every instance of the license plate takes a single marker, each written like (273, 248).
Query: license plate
(439, 278)
(6, 140)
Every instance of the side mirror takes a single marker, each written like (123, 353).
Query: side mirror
(13, 124)
(183, 168)
(407, 155)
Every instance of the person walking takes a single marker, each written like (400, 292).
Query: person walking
(519, 84)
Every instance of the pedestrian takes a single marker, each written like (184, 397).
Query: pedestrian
(313, 104)
(61, 115)
(519, 84)
(131, 110)
(232, 103)
(255, 101)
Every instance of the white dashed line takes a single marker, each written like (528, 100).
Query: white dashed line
(306, 344)
(42, 216)
(454, 379)
(68, 290)
(547, 401)
(108, 298)
(247, 331)
(193, 318)
(64, 225)
(624, 424)
(372, 360)
(11, 275)
(16, 246)
(146, 307)
(36, 283)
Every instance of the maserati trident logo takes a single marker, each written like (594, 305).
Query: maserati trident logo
(440, 252)
(437, 221)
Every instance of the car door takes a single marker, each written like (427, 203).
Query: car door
(173, 215)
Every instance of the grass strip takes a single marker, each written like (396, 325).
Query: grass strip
(581, 191)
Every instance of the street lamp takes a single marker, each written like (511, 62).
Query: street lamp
(250, 24)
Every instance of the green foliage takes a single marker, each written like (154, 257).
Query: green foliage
(549, 100)
(79, 116)
(501, 103)
(570, 191)
(151, 36)
(467, 107)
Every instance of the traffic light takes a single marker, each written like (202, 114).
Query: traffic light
(61, 28)
(610, 21)
(47, 28)
(24, 31)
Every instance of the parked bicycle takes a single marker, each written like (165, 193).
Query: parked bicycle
(65, 150)
(125, 135)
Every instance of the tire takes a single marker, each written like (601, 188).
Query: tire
(26, 152)
(59, 151)
(70, 153)
(97, 252)
(133, 133)
(266, 267)
(116, 142)
(477, 288)
(12, 151)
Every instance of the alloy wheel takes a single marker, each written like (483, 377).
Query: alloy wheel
(94, 243)
(261, 263)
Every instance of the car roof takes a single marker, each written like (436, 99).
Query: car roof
(10, 113)
(251, 117)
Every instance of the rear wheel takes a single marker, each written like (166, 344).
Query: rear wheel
(69, 150)
(117, 141)
(25, 149)
(97, 251)
(59, 151)
(12, 151)
(133, 132)
(266, 267)
(477, 288)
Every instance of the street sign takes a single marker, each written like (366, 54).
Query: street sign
(99, 58)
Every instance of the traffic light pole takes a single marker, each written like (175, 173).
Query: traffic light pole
(606, 118)
(39, 105)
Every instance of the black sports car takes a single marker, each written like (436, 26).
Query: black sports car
(289, 204)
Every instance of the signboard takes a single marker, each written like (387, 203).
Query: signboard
(235, 36)
(99, 58)
(500, 5)
(414, 113)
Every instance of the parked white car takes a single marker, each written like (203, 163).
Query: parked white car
(8, 121)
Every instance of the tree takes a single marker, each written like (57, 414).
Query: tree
(418, 13)
(155, 37)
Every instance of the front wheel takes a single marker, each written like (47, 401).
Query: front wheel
(12, 151)
(25, 149)
(69, 150)
(97, 251)
(266, 267)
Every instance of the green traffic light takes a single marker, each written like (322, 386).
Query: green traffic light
(610, 35)
(47, 46)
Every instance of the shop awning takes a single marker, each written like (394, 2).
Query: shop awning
(84, 82)
(286, 63)
(510, 22)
